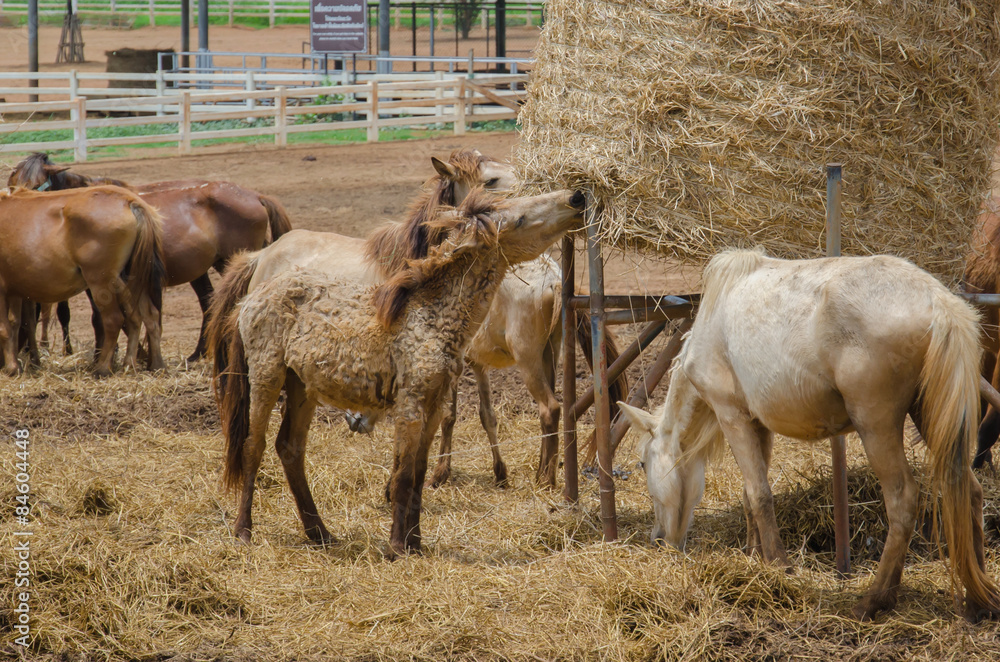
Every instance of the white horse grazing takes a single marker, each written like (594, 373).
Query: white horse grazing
(813, 348)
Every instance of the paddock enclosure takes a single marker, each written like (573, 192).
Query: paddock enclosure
(133, 555)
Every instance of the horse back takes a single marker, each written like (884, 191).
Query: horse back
(788, 337)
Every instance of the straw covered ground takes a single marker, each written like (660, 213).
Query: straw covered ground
(703, 124)
(133, 557)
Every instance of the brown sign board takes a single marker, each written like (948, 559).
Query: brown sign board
(338, 26)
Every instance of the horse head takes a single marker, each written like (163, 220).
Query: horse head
(526, 226)
(673, 448)
(466, 170)
(39, 173)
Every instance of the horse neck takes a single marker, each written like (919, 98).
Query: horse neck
(695, 427)
(463, 292)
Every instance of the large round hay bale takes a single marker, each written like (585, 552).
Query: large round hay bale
(703, 124)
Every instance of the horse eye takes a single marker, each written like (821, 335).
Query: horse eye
(520, 222)
(490, 183)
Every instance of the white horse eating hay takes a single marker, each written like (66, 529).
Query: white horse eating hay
(813, 348)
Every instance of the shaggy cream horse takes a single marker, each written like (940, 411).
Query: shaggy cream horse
(524, 327)
(398, 346)
(813, 348)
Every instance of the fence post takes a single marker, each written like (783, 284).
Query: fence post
(439, 93)
(270, 16)
(838, 443)
(251, 86)
(373, 113)
(161, 89)
(460, 108)
(78, 114)
(152, 14)
(230, 13)
(74, 85)
(281, 118)
(184, 125)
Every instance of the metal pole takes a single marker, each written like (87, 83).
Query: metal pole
(571, 490)
(203, 25)
(432, 36)
(602, 411)
(501, 18)
(33, 46)
(838, 443)
(185, 33)
(413, 31)
(384, 65)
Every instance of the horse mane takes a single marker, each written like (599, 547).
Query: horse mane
(30, 173)
(471, 227)
(702, 438)
(390, 246)
(724, 270)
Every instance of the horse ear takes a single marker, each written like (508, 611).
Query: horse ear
(54, 169)
(446, 170)
(641, 420)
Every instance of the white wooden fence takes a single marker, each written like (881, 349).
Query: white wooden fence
(457, 101)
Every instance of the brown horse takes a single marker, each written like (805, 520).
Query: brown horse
(982, 275)
(395, 347)
(104, 239)
(204, 224)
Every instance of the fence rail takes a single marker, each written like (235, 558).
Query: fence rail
(455, 101)
(272, 10)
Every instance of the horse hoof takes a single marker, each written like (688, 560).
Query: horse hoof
(242, 536)
(439, 478)
(320, 536)
(500, 475)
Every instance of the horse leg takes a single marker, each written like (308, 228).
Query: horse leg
(291, 448)
(262, 401)
(62, 313)
(151, 320)
(883, 442)
(747, 443)
(443, 469)
(418, 416)
(488, 418)
(989, 429)
(401, 483)
(98, 324)
(539, 376)
(753, 533)
(8, 336)
(110, 315)
(431, 424)
(43, 313)
(203, 288)
(27, 328)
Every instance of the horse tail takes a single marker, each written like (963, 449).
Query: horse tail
(234, 286)
(949, 407)
(617, 390)
(230, 372)
(277, 217)
(144, 272)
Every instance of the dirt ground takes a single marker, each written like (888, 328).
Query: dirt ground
(348, 189)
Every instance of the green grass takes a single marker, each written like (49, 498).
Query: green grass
(329, 137)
